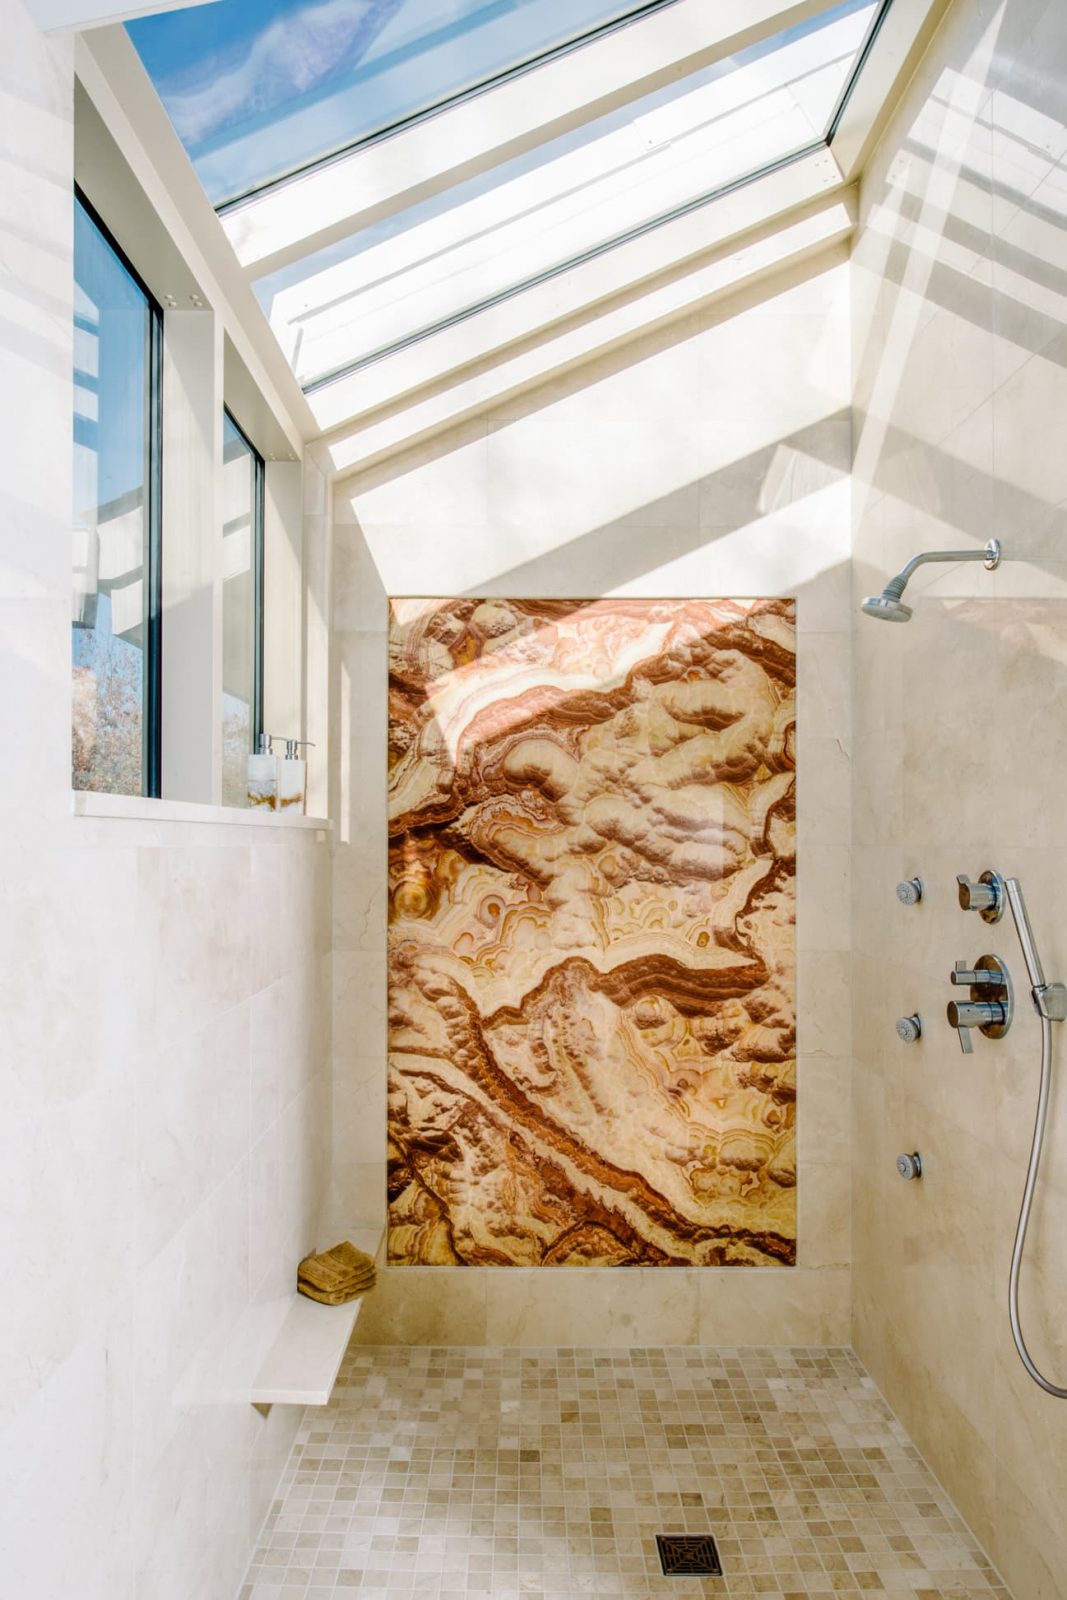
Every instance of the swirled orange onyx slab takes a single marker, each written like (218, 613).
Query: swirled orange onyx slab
(591, 951)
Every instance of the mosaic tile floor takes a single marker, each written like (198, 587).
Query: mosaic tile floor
(548, 1473)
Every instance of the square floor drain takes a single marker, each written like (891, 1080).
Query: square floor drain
(688, 1555)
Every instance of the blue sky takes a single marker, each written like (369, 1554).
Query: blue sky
(257, 88)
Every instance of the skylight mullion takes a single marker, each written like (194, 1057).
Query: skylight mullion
(902, 33)
(564, 310)
(338, 198)
(582, 193)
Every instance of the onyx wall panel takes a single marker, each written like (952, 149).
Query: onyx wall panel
(592, 994)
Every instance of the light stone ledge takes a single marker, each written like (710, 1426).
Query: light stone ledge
(284, 1351)
(142, 808)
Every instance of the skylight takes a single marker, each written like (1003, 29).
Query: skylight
(416, 190)
(258, 89)
(420, 268)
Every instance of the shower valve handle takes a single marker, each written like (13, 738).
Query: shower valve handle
(986, 896)
(991, 1002)
(968, 976)
(963, 1015)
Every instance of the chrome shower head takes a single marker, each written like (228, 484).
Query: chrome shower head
(889, 607)
(886, 607)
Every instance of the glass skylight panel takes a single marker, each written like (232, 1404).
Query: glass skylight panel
(485, 238)
(257, 89)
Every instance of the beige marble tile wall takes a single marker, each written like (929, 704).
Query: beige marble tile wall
(709, 459)
(960, 296)
(164, 1036)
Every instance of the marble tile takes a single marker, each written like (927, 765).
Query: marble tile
(825, 1213)
(824, 791)
(358, 592)
(359, 1003)
(742, 357)
(803, 1306)
(619, 1309)
(582, 1073)
(506, 1472)
(425, 1306)
(34, 713)
(740, 485)
(824, 697)
(454, 468)
(361, 886)
(184, 1540)
(178, 891)
(824, 1116)
(359, 1108)
(46, 1463)
(193, 1107)
(53, 1052)
(357, 1189)
(1031, 1552)
(628, 417)
(824, 1003)
(823, 891)
(191, 1293)
(73, 1253)
(285, 1046)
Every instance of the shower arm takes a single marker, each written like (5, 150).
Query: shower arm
(896, 586)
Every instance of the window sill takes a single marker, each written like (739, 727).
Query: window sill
(137, 808)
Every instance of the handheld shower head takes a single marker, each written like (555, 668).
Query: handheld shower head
(889, 607)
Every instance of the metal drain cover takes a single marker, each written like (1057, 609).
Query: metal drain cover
(688, 1555)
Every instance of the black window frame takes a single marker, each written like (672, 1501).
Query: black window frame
(152, 731)
(259, 503)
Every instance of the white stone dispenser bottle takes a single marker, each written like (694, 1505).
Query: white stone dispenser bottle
(292, 777)
(263, 776)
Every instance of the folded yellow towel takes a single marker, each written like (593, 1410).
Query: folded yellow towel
(336, 1275)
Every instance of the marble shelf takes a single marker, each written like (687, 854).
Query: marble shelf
(301, 1366)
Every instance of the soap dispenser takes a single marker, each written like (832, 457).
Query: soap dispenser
(292, 777)
(263, 775)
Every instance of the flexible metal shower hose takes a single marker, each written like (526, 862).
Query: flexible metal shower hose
(1019, 1247)
(1041, 993)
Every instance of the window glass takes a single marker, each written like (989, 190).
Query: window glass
(258, 88)
(572, 196)
(242, 542)
(114, 725)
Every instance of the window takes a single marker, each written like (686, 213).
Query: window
(242, 609)
(116, 519)
(259, 88)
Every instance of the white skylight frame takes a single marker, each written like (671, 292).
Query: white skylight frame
(295, 218)
(894, 49)
(571, 200)
(500, 339)
(71, 16)
(581, 289)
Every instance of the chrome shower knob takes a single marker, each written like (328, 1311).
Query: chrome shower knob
(910, 892)
(910, 1028)
(910, 1166)
(986, 896)
(992, 1001)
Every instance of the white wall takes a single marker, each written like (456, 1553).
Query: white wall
(710, 458)
(164, 1035)
(960, 299)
